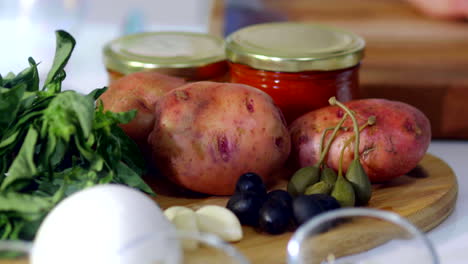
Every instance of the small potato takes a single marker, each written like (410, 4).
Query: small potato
(207, 134)
(138, 91)
(388, 149)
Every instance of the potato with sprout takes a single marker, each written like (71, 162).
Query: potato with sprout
(391, 147)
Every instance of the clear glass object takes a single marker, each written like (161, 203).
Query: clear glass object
(359, 236)
(209, 249)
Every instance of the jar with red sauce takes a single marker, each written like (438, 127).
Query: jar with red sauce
(299, 65)
(190, 55)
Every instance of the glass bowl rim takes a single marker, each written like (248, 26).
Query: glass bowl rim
(301, 233)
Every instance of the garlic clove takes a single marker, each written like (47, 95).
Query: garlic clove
(186, 221)
(220, 221)
(171, 212)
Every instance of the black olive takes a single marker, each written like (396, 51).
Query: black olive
(246, 206)
(250, 182)
(327, 202)
(305, 207)
(280, 195)
(274, 217)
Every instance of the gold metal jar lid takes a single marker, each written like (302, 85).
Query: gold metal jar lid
(174, 53)
(294, 47)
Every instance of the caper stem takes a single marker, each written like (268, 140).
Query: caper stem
(327, 146)
(361, 128)
(340, 164)
(370, 122)
(322, 138)
(333, 101)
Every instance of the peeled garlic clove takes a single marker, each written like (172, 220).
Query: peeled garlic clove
(171, 212)
(219, 221)
(186, 221)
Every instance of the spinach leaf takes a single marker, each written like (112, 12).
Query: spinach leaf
(133, 154)
(28, 77)
(9, 140)
(34, 80)
(8, 77)
(65, 45)
(9, 105)
(24, 203)
(67, 112)
(96, 93)
(23, 166)
(55, 143)
(129, 177)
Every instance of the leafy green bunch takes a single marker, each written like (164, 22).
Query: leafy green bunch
(54, 143)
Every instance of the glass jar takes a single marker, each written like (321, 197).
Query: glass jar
(299, 65)
(192, 56)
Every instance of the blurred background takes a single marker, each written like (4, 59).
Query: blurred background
(417, 50)
(28, 30)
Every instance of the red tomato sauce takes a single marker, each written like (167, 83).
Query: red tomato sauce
(297, 93)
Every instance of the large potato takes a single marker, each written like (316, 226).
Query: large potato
(207, 134)
(388, 149)
(138, 91)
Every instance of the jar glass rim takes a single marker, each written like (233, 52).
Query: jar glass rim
(293, 46)
(162, 50)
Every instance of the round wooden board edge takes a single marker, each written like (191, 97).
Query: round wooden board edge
(443, 207)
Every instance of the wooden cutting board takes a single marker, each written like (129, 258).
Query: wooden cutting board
(426, 196)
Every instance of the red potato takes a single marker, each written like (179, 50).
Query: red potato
(207, 134)
(388, 149)
(138, 91)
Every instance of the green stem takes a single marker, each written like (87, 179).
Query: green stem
(322, 139)
(370, 122)
(333, 101)
(340, 163)
(327, 146)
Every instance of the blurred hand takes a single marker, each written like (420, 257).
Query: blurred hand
(443, 8)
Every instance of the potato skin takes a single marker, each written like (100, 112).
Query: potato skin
(138, 91)
(207, 134)
(388, 149)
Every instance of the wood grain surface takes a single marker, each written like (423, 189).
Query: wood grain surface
(409, 56)
(426, 197)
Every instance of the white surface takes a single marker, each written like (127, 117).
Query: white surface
(451, 237)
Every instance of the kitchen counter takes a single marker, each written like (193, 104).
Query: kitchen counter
(393, 71)
(451, 237)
